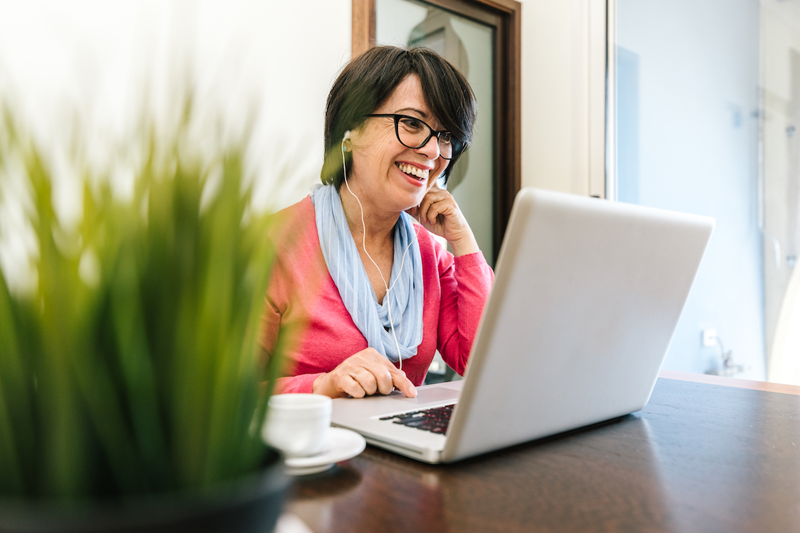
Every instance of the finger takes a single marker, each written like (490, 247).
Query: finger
(379, 368)
(385, 382)
(436, 209)
(350, 386)
(398, 377)
(437, 202)
(441, 211)
(425, 208)
(365, 379)
(403, 384)
(430, 197)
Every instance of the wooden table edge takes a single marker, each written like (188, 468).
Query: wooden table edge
(730, 382)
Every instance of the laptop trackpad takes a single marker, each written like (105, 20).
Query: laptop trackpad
(430, 395)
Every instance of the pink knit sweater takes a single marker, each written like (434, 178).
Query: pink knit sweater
(305, 313)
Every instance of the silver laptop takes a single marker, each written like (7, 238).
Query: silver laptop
(586, 299)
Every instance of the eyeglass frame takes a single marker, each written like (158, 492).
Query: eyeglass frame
(456, 150)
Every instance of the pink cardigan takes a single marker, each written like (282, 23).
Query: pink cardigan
(316, 331)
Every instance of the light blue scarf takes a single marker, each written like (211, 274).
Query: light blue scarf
(347, 271)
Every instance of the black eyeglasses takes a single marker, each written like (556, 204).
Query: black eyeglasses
(414, 133)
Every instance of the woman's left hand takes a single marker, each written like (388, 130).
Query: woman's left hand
(439, 214)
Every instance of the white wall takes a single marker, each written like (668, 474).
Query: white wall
(98, 54)
(92, 64)
(560, 85)
(104, 57)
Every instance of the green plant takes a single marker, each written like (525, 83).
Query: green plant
(130, 366)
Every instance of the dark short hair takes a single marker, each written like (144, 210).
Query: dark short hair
(369, 79)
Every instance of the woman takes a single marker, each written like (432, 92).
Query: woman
(373, 294)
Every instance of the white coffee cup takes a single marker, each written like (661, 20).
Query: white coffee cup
(297, 424)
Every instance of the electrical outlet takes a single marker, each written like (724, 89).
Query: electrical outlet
(709, 337)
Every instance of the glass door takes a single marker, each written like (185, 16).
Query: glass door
(469, 45)
(779, 187)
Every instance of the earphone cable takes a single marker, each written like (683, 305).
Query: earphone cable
(364, 245)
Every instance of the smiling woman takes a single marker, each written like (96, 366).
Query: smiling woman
(371, 79)
(376, 293)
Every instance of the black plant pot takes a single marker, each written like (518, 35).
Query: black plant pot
(250, 504)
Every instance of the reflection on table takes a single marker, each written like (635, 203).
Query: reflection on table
(699, 457)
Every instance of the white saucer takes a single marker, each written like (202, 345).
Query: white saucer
(341, 444)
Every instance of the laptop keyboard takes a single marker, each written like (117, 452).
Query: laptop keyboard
(434, 420)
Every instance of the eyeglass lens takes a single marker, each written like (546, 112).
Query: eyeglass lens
(414, 133)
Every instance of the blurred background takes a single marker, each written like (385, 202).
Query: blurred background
(100, 64)
(706, 108)
(90, 71)
(702, 105)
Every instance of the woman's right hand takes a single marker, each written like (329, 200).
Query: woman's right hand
(362, 374)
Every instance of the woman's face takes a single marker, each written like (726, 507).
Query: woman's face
(383, 169)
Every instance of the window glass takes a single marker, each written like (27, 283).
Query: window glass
(688, 122)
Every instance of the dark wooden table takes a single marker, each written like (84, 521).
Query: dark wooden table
(699, 457)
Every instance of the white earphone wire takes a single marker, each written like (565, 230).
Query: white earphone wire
(364, 245)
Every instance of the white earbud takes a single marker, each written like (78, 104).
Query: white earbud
(346, 137)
